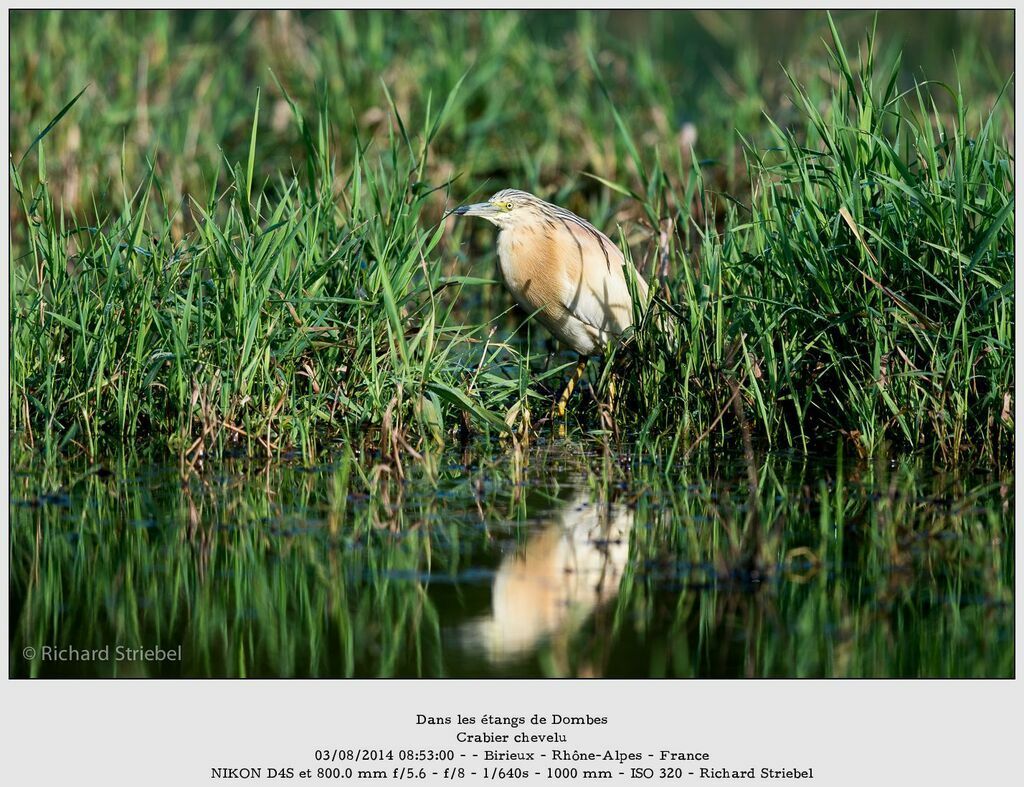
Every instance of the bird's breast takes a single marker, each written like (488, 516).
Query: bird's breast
(529, 267)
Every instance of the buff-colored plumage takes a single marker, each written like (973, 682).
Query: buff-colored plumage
(561, 269)
(547, 589)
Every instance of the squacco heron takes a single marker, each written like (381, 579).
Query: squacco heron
(563, 270)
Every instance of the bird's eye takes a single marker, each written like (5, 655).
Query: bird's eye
(508, 206)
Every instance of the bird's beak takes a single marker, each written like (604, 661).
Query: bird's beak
(476, 209)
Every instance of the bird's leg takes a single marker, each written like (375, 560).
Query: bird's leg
(570, 386)
(613, 384)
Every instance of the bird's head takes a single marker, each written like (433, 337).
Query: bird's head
(505, 209)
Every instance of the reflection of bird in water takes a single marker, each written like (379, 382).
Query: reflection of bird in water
(546, 591)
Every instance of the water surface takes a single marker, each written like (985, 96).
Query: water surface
(558, 562)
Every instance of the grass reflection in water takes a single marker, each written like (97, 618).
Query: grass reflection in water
(559, 563)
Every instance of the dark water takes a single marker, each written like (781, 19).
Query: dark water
(558, 562)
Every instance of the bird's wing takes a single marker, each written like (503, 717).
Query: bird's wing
(597, 292)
